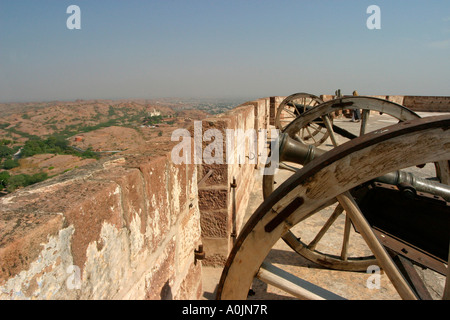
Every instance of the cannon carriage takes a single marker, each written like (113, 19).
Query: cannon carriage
(391, 184)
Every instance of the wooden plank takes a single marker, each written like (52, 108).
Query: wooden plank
(410, 252)
(293, 285)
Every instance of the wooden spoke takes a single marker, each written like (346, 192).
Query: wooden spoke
(290, 112)
(336, 213)
(365, 119)
(310, 134)
(328, 124)
(346, 239)
(443, 171)
(352, 209)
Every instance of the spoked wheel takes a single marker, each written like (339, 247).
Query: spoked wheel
(323, 181)
(313, 250)
(295, 105)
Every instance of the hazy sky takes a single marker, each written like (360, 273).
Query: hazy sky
(221, 48)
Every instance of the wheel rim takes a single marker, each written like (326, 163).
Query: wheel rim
(295, 105)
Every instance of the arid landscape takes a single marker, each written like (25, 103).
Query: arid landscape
(41, 140)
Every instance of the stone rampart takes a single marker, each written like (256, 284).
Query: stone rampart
(123, 228)
(427, 103)
(223, 194)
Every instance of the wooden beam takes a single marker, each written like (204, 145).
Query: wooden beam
(293, 285)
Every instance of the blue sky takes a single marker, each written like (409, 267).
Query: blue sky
(221, 49)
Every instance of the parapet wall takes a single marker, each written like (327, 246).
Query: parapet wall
(427, 104)
(224, 190)
(124, 228)
(415, 103)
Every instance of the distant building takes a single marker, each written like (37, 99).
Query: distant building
(155, 113)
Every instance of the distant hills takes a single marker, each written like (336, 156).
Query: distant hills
(41, 139)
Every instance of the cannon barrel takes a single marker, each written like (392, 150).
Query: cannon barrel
(291, 150)
(407, 180)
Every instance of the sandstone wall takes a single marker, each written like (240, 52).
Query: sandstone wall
(427, 103)
(224, 192)
(124, 228)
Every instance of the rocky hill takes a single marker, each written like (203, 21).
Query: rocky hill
(40, 140)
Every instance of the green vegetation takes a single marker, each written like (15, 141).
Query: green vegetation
(55, 145)
(11, 183)
(21, 133)
(9, 164)
(4, 178)
(152, 120)
(6, 152)
(111, 111)
(5, 142)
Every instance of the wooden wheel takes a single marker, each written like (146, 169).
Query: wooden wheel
(295, 105)
(324, 179)
(393, 113)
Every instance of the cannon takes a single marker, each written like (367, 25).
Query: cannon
(375, 179)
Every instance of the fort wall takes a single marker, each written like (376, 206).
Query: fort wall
(123, 228)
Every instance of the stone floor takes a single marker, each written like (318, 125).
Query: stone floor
(349, 285)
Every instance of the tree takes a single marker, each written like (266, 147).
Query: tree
(10, 164)
(23, 180)
(4, 178)
(16, 181)
(5, 151)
